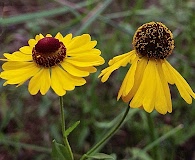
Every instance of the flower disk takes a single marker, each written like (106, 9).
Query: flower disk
(153, 40)
(48, 52)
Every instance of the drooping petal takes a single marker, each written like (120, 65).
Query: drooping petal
(138, 78)
(165, 87)
(130, 55)
(182, 86)
(145, 95)
(161, 104)
(115, 63)
(41, 81)
(128, 81)
(150, 86)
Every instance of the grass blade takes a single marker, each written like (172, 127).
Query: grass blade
(93, 15)
(49, 13)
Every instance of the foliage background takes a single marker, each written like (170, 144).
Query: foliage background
(28, 124)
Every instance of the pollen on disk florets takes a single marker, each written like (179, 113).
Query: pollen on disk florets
(48, 52)
(153, 40)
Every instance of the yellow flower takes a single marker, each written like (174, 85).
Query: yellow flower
(57, 62)
(146, 82)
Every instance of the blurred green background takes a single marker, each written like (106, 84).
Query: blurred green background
(28, 124)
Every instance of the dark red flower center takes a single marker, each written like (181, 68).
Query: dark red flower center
(47, 45)
(49, 52)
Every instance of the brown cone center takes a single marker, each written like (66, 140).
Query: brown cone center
(153, 40)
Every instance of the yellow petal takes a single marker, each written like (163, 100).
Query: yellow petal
(59, 36)
(73, 70)
(129, 55)
(86, 60)
(38, 37)
(82, 49)
(115, 63)
(145, 94)
(169, 77)
(67, 39)
(83, 53)
(166, 90)
(18, 56)
(78, 41)
(12, 65)
(32, 43)
(41, 81)
(150, 86)
(138, 78)
(128, 81)
(62, 81)
(57, 82)
(160, 99)
(183, 87)
(48, 35)
(26, 50)
(19, 75)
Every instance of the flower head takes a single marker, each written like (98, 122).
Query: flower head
(57, 62)
(146, 82)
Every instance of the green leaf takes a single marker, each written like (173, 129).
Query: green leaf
(60, 152)
(70, 129)
(101, 156)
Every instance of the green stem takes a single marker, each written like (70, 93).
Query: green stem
(107, 136)
(152, 135)
(65, 139)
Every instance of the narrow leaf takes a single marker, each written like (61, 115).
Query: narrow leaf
(47, 13)
(70, 129)
(101, 156)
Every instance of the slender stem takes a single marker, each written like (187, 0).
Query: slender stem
(107, 136)
(65, 139)
(152, 135)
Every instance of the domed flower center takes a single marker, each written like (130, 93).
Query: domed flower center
(153, 40)
(48, 52)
